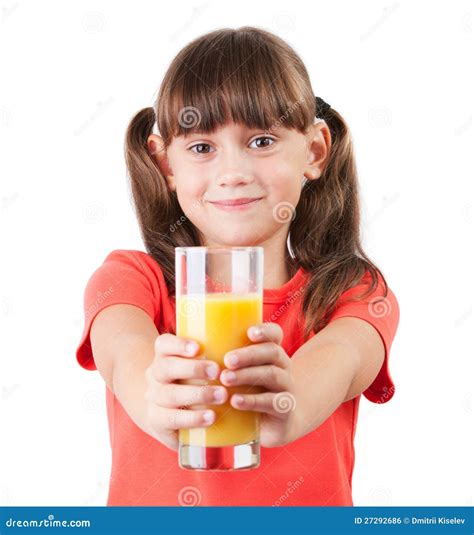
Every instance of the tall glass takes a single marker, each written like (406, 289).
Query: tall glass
(219, 295)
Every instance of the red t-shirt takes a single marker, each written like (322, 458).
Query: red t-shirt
(313, 470)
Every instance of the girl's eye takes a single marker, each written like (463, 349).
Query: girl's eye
(266, 138)
(206, 145)
(205, 148)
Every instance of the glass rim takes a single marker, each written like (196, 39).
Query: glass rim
(218, 248)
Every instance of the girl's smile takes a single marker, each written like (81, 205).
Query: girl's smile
(236, 205)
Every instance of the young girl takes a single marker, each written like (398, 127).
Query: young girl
(243, 154)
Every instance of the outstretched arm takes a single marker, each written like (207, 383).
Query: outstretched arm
(334, 366)
(300, 393)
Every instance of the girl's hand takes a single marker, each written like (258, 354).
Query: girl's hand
(167, 401)
(264, 363)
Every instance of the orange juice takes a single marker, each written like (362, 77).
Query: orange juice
(219, 322)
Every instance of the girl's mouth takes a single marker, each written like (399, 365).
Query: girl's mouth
(233, 205)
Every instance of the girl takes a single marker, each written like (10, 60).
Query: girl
(243, 154)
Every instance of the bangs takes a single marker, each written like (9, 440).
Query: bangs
(238, 76)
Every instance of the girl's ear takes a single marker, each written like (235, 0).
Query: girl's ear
(319, 148)
(157, 151)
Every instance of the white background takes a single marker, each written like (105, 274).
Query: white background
(73, 74)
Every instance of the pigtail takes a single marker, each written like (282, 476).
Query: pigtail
(145, 175)
(156, 205)
(325, 232)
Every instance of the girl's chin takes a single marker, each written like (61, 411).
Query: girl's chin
(242, 240)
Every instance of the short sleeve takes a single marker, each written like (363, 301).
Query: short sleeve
(123, 278)
(383, 313)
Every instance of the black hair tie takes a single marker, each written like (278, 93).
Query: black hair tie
(322, 107)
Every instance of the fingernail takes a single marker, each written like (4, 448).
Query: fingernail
(208, 416)
(255, 331)
(212, 371)
(219, 394)
(238, 399)
(191, 348)
(233, 359)
(230, 376)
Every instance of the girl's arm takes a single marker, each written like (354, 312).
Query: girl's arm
(122, 339)
(143, 370)
(334, 366)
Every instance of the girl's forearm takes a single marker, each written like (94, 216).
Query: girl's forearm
(323, 375)
(129, 382)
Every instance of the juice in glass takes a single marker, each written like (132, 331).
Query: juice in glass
(219, 295)
(219, 323)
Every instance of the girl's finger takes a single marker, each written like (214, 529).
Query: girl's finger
(185, 419)
(168, 344)
(180, 396)
(266, 332)
(271, 377)
(170, 369)
(274, 404)
(257, 354)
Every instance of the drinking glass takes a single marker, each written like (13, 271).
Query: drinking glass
(219, 295)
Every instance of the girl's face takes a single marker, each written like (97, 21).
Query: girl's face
(236, 162)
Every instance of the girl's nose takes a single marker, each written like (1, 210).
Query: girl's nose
(233, 178)
(234, 168)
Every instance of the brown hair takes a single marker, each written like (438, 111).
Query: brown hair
(252, 76)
